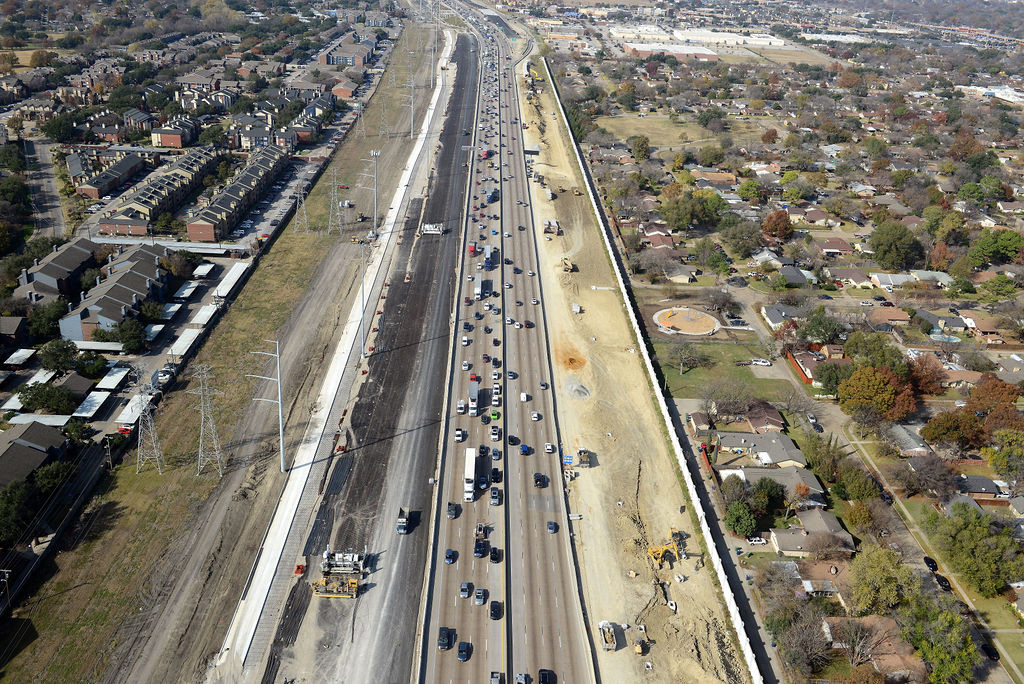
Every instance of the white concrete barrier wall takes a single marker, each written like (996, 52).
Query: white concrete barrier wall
(716, 559)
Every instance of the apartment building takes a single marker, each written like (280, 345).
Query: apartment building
(111, 177)
(57, 274)
(181, 131)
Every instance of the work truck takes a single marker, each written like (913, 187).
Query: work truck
(474, 398)
(470, 476)
(403, 521)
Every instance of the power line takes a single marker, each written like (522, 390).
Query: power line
(280, 404)
(209, 441)
(149, 442)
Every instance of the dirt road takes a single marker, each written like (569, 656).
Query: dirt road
(633, 498)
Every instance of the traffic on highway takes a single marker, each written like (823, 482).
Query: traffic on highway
(504, 606)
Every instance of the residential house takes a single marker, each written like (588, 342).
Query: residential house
(790, 477)
(807, 362)
(984, 328)
(762, 418)
(978, 487)
(775, 315)
(833, 246)
(938, 278)
(885, 319)
(813, 522)
(137, 120)
(681, 273)
(13, 332)
(1017, 506)
(766, 448)
(57, 274)
(26, 447)
(765, 256)
(946, 324)
(962, 499)
(851, 277)
(793, 275)
(890, 281)
(909, 443)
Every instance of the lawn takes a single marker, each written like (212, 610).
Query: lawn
(692, 383)
(664, 134)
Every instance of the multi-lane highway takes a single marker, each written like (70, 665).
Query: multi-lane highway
(505, 600)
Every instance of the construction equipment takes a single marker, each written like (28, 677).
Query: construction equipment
(480, 532)
(362, 217)
(561, 188)
(551, 227)
(658, 553)
(341, 574)
(582, 458)
(576, 191)
(567, 265)
(607, 635)
(638, 647)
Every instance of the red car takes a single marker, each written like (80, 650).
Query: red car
(342, 187)
(487, 358)
(473, 377)
(468, 301)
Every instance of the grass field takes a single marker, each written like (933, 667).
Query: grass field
(664, 133)
(691, 384)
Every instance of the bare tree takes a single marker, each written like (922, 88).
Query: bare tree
(726, 399)
(688, 356)
(795, 401)
(826, 546)
(718, 300)
(861, 639)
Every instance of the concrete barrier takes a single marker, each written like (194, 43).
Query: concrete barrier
(716, 555)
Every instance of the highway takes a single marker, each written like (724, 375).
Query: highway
(501, 342)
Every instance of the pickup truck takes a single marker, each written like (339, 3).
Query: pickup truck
(403, 521)
(453, 510)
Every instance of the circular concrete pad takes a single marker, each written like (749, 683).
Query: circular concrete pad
(682, 320)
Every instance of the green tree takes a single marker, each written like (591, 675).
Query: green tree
(875, 148)
(880, 582)
(91, 365)
(958, 429)
(750, 190)
(132, 334)
(831, 374)
(857, 483)
(895, 246)
(996, 246)
(821, 328)
(876, 388)
(740, 520)
(14, 511)
(998, 289)
(52, 475)
(743, 238)
(875, 349)
(60, 128)
(641, 147)
(11, 158)
(983, 553)
(212, 135)
(710, 155)
(1006, 455)
(942, 638)
(58, 355)
(42, 321)
(47, 398)
(708, 115)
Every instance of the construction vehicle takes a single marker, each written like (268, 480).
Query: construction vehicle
(567, 265)
(576, 191)
(341, 574)
(607, 635)
(362, 217)
(582, 458)
(481, 531)
(561, 188)
(551, 227)
(638, 647)
(658, 553)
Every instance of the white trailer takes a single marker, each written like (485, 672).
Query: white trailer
(467, 492)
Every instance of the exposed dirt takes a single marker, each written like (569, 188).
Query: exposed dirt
(631, 499)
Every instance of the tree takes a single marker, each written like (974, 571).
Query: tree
(770, 137)
(831, 374)
(942, 638)
(990, 393)
(998, 289)
(857, 483)
(750, 190)
(47, 398)
(821, 328)
(880, 582)
(766, 496)
(878, 388)
(212, 135)
(957, 430)
(11, 157)
(983, 553)
(777, 226)
(708, 115)
(823, 456)
(743, 239)
(710, 155)
(16, 125)
(875, 148)
(688, 356)
(733, 489)
(42, 321)
(1006, 457)
(926, 374)
(875, 349)
(60, 128)
(641, 147)
(41, 58)
(895, 246)
(58, 355)
(996, 246)
(91, 365)
(740, 520)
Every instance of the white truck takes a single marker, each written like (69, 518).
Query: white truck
(468, 480)
(474, 398)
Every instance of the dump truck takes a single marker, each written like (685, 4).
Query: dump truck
(403, 521)
(550, 195)
(607, 635)
(576, 191)
(567, 266)
(582, 458)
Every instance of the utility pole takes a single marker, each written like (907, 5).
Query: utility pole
(209, 442)
(280, 404)
(412, 96)
(149, 442)
(302, 218)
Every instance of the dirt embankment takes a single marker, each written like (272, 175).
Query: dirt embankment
(631, 500)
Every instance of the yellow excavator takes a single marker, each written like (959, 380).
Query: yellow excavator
(658, 553)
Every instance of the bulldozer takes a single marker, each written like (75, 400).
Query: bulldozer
(658, 553)
(577, 192)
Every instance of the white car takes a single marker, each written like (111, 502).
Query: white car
(549, 448)
(508, 234)
(760, 362)
(495, 433)
(460, 435)
(530, 273)
(756, 541)
(508, 320)
(508, 286)
(495, 375)
(534, 416)
(865, 302)
(465, 365)
(535, 301)
(518, 325)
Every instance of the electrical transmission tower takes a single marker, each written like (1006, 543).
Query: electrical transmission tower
(209, 442)
(149, 441)
(301, 217)
(361, 123)
(335, 215)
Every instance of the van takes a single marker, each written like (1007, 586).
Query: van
(523, 396)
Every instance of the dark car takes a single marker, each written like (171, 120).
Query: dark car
(512, 439)
(453, 510)
(990, 653)
(445, 637)
(450, 555)
(825, 297)
(495, 555)
(538, 480)
(495, 610)
(480, 548)
(495, 475)
(546, 677)
(930, 564)
(943, 583)
(817, 428)
(878, 298)
(464, 650)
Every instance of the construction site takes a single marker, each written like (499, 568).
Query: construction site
(642, 569)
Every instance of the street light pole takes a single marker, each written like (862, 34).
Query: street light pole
(280, 404)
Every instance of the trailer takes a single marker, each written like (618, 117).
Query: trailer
(488, 251)
(472, 249)
(478, 290)
(129, 416)
(607, 635)
(470, 474)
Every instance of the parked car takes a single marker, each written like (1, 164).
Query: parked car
(760, 362)
(756, 541)
(930, 564)
(943, 583)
